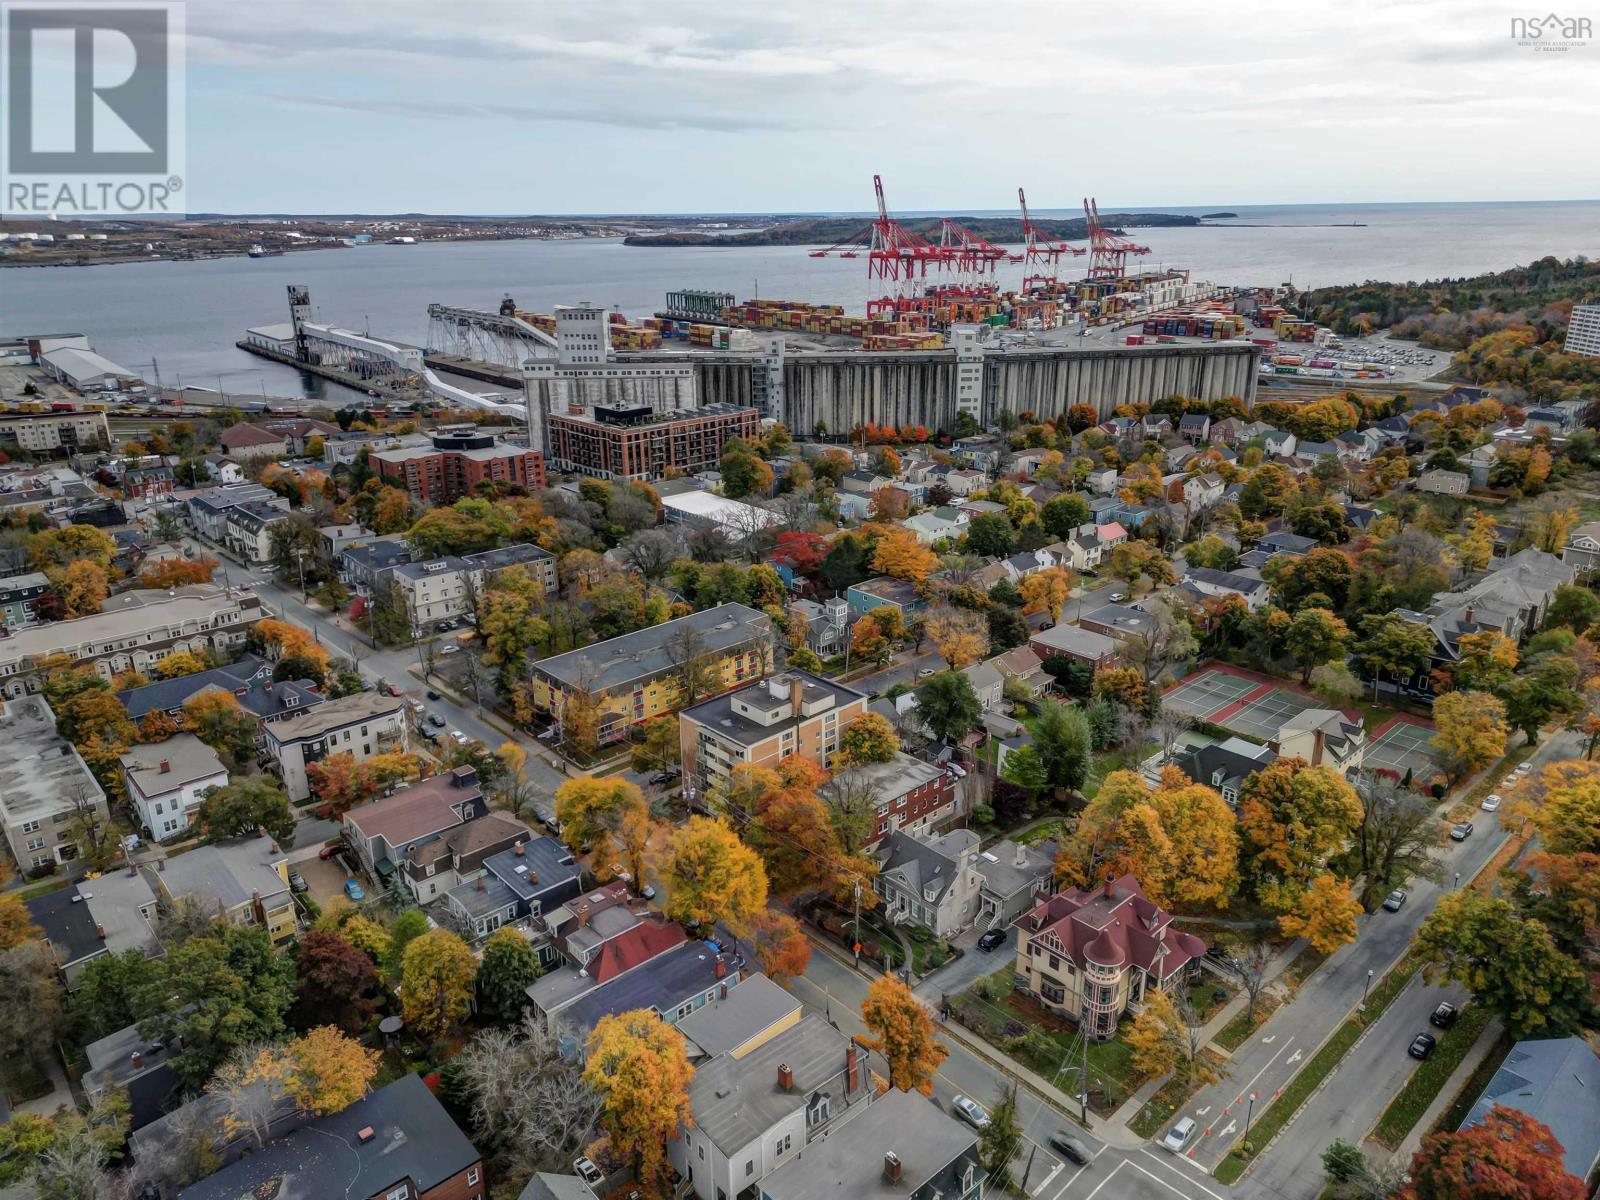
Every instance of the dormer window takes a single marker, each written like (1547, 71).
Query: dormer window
(818, 1111)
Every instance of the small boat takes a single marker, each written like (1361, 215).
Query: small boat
(260, 251)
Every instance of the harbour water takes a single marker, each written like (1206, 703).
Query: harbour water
(182, 318)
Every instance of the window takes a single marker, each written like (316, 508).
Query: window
(36, 843)
(472, 1177)
(701, 1149)
(399, 1193)
(1052, 991)
(749, 1167)
(30, 827)
(966, 1179)
(784, 1143)
(820, 1111)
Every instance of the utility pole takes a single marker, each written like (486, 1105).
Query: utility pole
(1083, 1078)
(855, 938)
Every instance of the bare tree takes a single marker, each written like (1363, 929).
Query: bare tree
(711, 544)
(691, 663)
(798, 509)
(1397, 837)
(1247, 961)
(478, 677)
(183, 1147)
(473, 588)
(250, 1087)
(1166, 727)
(852, 803)
(651, 552)
(528, 1102)
(753, 529)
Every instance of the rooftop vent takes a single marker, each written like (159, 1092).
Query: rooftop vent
(366, 1133)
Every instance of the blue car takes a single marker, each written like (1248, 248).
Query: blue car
(353, 890)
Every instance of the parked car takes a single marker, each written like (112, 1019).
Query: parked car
(991, 940)
(1444, 1016)
(460, 738)
(452, 648)
(659, 778)
(389, 689)
(970, 1111)
(1395, 900)
(1117, 597)
(330, 850)
(433, 695)
(1070, 1147)
(925, 673)
(1178, 1136)
(1490, 804)
(297, 882)
(436, 721)
(1421, 1046)
(353, 890)
(1461, 832)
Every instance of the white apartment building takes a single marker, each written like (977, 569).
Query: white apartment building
(1583, 330)
(168, 781)
(45, 433)
(444, 589)
(362, 724)
(136, 631)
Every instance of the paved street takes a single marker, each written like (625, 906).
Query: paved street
(906, 672)
(1142, 1174)
(1269, 1060)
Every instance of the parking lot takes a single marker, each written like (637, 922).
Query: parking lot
(324, 878)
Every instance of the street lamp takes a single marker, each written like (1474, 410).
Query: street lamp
(1250, 1111)
(1365, 988)
(1458, 879)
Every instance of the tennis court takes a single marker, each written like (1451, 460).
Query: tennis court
(1254, 705)
(1401, 746)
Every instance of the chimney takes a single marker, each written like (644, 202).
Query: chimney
(1111, 886)
(518, 850)
(785, 1077)
(366, 1133)
(137, 1061)
(852, 1068)
(797, 691)
(1318, 740)
(100, 931)
(165, 768)
(722, 967)
(1022, 856)
(1469, 616)
(583, 916)
(161, 864)
(722, 992)
(480, 883)
(891, 1166)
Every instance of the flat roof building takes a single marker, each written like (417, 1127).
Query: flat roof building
(639, 443)
(45, 786)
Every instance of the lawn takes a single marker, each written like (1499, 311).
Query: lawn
(875, 936)
(1046, 1043)
(1406, 1109)
(44, 887)
(1311, 1076)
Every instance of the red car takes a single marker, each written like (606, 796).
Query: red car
(330, 850)
(391, 689)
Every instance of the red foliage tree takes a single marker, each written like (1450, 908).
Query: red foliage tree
(337, 983)
(802, 551)
(1509, 1156)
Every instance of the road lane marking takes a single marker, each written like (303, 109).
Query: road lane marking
(1169, 1186)
(1124, 1163)
(1295, 1057)
(1230, 1127)
(1161, 1162)
(1045, 1182)
(1202, 1111)
(1267, 1041)
(1257, 1076)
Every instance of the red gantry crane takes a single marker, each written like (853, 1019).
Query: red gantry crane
(1108, 253)
(970, 259)
(896, 257)
(1042, 256)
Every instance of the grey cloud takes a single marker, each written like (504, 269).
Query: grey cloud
(622, 118)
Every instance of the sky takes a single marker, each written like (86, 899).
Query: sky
(490, 106)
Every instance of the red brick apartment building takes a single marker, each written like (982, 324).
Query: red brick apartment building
(457, 461)
(638, 443)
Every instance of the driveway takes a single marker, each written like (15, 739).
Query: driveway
(325, 878)
(958, 976)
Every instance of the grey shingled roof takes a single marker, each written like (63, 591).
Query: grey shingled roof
(1555, 1081)
(728, 1022)
(644, 654)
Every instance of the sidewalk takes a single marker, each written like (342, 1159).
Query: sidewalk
(1446, 1097)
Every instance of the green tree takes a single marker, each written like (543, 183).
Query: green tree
(1572, 606)
(509, 965)
(245, 805)
(1023, 768)
(436, 976)
(1315, 636)
(1509, 963)
(991, 534)
(1392, 646)
(948, 706)
(1062, 514)
(1064, 742)
(216, 992)
(407, 927)
(109, 987)
(1000, 1138)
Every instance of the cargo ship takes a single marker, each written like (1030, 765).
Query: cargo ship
(260, 251)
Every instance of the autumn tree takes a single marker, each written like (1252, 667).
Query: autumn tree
(509, 965)
(659, 747)
(179, 663)
(711, 875)
(960, 635)
(1508, 963)
(81, 587)
(1153, 1051)
(867, 640)
(1292, 819)
(1508, 1155)
(589, 807)
(899, 554)
(436, 978)
(335, 982)
(1178, 840)
(1470, 730)
(638, 1065)
(1487, 661)
(16, 923)
(328, 1071)
(1324, 914)
(1047, 591)
(780, 945)
(217, 719)
(903, 1032)
(178, 572)
(868, 739)
(1124, 686)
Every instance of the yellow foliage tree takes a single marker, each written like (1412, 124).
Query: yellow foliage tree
(82, 587)
(329, 1071)
(1470, 730)
(640, 1069)
(1153, 1052)
(960, 635)
(901, 555)
(712, 876)
(436, 975)
(589, 806)
(1326, 915)
(1047, 591)
(179, 663)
